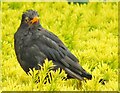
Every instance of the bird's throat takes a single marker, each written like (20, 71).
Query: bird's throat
(34, 26)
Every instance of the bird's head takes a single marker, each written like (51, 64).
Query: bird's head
(30, 17)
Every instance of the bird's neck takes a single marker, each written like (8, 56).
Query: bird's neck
(34, 27)
(31, 27)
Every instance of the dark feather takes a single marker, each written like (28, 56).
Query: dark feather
(33, 44)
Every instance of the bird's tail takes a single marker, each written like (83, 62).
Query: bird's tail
(74, 70)
(79, 74)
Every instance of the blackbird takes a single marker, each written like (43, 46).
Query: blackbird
(33, 44)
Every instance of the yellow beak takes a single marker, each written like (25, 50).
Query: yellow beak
(34, 20)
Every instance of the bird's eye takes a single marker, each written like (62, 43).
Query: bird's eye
(26, 19)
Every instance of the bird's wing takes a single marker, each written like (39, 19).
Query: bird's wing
(54, 38)
(54, 49)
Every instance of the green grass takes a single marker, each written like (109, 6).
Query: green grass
(90, 31)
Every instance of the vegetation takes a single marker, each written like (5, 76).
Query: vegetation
(90, 31)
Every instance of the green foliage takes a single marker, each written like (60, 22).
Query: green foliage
(43, 84)
(90, 31)
(15, 5)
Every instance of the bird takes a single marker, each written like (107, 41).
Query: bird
(33, 44)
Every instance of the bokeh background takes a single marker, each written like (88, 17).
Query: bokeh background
(89, 30)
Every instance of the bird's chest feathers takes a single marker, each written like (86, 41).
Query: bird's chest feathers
(29, 38)
(26, 39)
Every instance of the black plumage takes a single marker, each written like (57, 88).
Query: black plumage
(33, 44)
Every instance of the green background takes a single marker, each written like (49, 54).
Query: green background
(90, 31)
